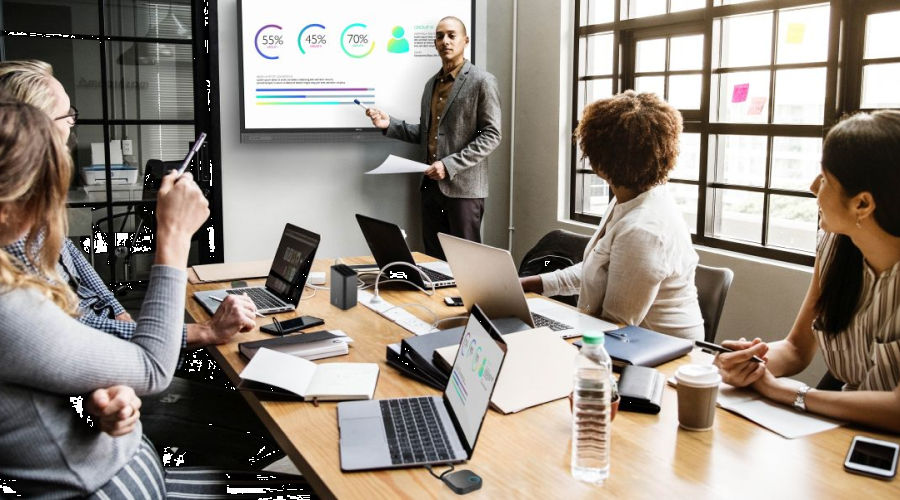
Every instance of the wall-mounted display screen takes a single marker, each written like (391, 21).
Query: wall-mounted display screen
(303, 63)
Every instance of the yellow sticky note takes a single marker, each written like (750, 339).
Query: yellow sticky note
(795, 32)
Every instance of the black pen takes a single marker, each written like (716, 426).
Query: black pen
(278, 325)
(709, 346)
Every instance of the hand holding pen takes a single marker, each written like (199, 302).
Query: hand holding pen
(379, 118)
(740, 362)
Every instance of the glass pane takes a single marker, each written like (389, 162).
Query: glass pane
(89, 183)
(591, 90)
(684, 91)
(737, 215)
(686, 52)
(879, 86)
(650, 55)
(594, 193)
(800, 96)
(803, 35)
(740, 97)
(738, 159)
(643, 8)
(732, 2)
(54, 16)
(654, 84)
(679, 5)
(151, 81)
(688, 165)
(149, 18)
(745, 41)
(686, 198)
(81, 80)
(597, 11)
(882, 35)
(795, 162)
(599, 55)
(793, 222)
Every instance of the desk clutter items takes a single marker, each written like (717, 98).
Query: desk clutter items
(312, 345)
(538, 368)
(209, 273)
(698, 386)
(343, 286)
(633, 345)
(641, 389)
(592, 411)
(780, 419)
(120, 173)
(296, 376)
(396, 314)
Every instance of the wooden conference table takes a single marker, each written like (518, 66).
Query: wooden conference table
(527, 455)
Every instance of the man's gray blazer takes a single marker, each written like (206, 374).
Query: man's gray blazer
(467, 133)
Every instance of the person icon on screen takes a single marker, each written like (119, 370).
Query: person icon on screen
(398, 44)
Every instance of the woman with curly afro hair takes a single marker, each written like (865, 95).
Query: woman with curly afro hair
(638, 268)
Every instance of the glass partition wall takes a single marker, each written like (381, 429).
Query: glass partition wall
(138, 75)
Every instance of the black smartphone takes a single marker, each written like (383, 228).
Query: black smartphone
(453, 301)
(292, 325)
(872, 457)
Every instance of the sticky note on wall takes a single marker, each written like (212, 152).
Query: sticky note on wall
(739, 94)
(756, 105)
(795, 33)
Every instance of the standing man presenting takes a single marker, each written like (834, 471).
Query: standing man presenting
(459, 127)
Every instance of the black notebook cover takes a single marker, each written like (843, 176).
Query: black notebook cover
(248, 349)
(640, 389)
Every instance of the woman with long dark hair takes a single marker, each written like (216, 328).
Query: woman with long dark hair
(852, 308)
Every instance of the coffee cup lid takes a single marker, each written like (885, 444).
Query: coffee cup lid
(698, 374)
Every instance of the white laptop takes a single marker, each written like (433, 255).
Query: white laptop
(405, 432)
(487, 276)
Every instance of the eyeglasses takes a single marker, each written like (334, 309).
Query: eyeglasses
(73, 114)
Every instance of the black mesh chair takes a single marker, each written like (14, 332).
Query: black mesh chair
(712, 288)
(555, 250)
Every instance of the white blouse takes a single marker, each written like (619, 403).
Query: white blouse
(638, 268)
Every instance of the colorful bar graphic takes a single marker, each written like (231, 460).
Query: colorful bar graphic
(313, 97)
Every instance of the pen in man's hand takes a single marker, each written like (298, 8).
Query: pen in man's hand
(360, 104)
(187, 160)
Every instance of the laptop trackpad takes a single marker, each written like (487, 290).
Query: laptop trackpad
(363, 444)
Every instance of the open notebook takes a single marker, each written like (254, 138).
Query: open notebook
(309, 381)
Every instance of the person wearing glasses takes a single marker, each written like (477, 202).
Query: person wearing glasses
(184, 423)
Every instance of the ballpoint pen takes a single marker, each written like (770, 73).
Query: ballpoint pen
(619, 335)
(278, 326)
(220, 299)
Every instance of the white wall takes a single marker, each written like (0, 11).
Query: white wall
(320, 186)
(765, 295)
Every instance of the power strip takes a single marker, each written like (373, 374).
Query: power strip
(396, 314)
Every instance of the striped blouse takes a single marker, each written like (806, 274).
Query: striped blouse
(866, 356)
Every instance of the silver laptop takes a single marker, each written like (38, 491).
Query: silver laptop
(405, 432)
(487, 276)
(388, 245)
(286, 280)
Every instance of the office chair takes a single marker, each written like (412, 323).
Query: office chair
(712, 288)
(557, 249)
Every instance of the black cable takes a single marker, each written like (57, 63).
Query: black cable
(441, 477)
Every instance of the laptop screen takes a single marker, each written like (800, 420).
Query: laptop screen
(474, 375)
(292, 262)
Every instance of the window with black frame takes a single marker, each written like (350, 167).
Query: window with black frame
(758, 84)
(136, 71)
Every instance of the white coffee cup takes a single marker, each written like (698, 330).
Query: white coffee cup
(698, 387)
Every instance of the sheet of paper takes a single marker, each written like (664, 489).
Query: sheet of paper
(780, 419)
(233, 270)
(396, 165)
(280, 370)
(339, 380)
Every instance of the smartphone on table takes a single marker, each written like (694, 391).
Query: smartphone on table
(291, 325)
(872, 457)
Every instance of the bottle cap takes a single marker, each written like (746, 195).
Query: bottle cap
(593, 338)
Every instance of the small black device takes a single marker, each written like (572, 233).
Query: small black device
(462, 481)
(714, 348)
(453, 301)
(343, 286)
(872, 457)
(292, 325)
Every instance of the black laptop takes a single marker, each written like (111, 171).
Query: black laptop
(388, 245)
(405, 432)
(286, 280)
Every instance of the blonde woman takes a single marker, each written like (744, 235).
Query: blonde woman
(44, 448)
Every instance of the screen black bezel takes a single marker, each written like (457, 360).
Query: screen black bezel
(296, 289)
(495, 334)
(301, 131)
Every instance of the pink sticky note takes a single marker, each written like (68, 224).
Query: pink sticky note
(756, 105)
(740, 92)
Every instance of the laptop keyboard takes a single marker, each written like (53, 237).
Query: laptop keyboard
(554, 325)
(260, 298)
(414, 431)
(434, 275)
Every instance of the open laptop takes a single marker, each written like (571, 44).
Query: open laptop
(487, 276)
(286, 280)
(404, 432)
(388, 245)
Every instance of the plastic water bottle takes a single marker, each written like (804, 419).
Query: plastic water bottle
(591, 411)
